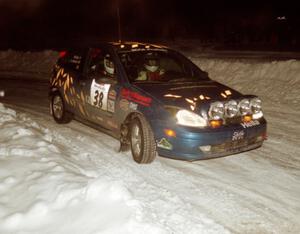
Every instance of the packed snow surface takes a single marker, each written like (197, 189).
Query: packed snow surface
(71, 179)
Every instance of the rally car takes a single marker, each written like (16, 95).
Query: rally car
(155, 101)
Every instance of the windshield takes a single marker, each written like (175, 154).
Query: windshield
(159, 66)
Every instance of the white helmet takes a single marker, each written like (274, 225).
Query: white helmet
(109, 65)
(151, 62)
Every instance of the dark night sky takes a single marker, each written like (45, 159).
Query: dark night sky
(46, 23)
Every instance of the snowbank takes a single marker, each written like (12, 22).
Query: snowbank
(274, 81)
(43, 191)
(27, 64)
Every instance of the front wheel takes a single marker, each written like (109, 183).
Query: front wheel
(58, 109)
(142, 140)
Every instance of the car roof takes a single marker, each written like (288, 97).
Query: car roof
(128, 45)
(125, 46)
(118, 46)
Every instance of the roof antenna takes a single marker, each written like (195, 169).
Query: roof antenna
(119, 21)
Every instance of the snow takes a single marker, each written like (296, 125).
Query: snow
(70, 178)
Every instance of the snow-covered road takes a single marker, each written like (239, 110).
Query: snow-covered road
(70, 178)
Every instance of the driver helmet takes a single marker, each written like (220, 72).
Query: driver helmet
(151, 62)
(109, 65)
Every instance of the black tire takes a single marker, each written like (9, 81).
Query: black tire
(147, 147)
(58, 110)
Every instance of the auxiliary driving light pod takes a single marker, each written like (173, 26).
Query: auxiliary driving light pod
(255, 104)
(256, 108)
(244, 107)
(216, 111)
(231, 109)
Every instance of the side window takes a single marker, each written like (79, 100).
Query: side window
(170, 64)
(101, 64)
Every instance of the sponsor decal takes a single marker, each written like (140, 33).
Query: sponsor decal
(111, 106)
(165, 144)
(62, 79)
(238, 135)
(112, 95)
(135, 97)
(133, 106)
(124, 104)
(250, 124)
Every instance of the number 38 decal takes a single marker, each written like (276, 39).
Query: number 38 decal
(99, 93)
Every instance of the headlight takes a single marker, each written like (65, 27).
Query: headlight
(231, 109)
(216, 111)
(244, 107)
(190, 119)
(256, 108)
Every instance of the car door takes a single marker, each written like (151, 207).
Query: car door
(68, 79)
(101, 88)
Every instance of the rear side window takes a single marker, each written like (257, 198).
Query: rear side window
(73, 60)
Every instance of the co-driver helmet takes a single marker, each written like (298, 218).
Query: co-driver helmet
(151, 62)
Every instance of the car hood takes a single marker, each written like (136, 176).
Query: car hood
(187, 93)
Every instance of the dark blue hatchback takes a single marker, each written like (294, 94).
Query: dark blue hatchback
(154, 100)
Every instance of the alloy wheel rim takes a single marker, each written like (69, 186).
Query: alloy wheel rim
(136, 140)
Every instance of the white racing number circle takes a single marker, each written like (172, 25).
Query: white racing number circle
(99, 94)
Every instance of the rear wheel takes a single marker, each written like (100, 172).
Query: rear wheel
(142, 140)
(58, 109)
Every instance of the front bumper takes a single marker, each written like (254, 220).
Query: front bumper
(194, 145)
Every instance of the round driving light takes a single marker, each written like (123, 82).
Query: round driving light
(231, 109)
(216, 111)
(255, 104)
(244, 107)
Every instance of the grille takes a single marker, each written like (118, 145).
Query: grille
(234, 120)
